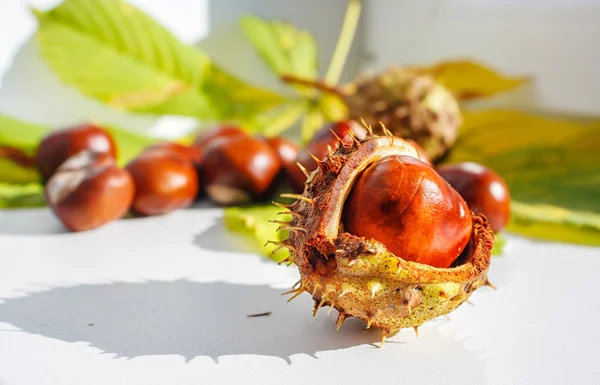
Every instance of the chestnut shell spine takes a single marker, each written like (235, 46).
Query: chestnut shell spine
(360, 277)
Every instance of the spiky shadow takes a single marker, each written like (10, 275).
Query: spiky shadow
(182, 317)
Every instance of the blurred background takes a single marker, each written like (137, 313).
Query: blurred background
(556, 41)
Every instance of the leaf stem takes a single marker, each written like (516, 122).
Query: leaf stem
(18, 156)
(338, 60)
(318, 84)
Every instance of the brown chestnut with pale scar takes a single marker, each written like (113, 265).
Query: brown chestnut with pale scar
(239, 169)
(89, 190)
(59, 145)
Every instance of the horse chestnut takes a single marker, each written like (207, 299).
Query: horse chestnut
(205, 138)
(286, 149)
(88, 190)
(189, 153)
(164, 182)
(484, 190)
(403, 203)
(321, 143)
(59, 145)
(239, 169)
(370, 230)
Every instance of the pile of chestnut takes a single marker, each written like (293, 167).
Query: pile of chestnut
(86, 189)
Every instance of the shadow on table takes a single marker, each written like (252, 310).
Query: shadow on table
(183, 317)
(33, 221)
(217, 238)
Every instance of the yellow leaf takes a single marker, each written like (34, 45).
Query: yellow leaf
(254, 221)
(17, 166)
(555, 223)
(333, 107)
(468, 79)
(187, 140)
(133, 99)
(551, 165)
(313, 120)
(12, 172)
(493, 132)
(17, 195)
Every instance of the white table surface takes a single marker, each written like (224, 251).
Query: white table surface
(164, 300)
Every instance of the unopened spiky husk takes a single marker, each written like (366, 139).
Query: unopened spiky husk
(361, 277)
(410, 104)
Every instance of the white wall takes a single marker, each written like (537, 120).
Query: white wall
(556, 41)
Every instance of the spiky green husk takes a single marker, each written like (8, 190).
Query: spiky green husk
(361, 277)
(410, 104)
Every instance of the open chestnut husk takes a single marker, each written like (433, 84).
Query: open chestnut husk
(324, 141)
(360, 276)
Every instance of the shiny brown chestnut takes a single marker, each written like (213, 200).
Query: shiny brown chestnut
(189, 153)
(239, 169)
(319, 146)
(403, 203)
(164, 182)
(88, 190)
(484, 190)
(58, 146)
(287, 150)
(205, 138)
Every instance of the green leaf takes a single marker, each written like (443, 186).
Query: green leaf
(12, 172)
(555, 224)
(18, 139)
(313, 120)
(253, 221)
(129, 144)
(550, 165)
(277, 120)
(19, 134)
(333, 107)
(236, 100)
(499, 244)
(285, 49)
(21, 195)
(115, 53)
